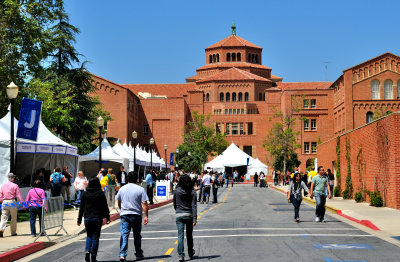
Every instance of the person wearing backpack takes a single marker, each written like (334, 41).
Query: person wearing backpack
(56, 180)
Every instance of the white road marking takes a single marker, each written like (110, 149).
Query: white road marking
(244, 235)
(242, 229)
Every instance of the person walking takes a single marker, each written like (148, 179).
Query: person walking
(255, 179)
(9, 193)
(35, 202)
(66, 185)
(185, 206)
(150, 190)
(122, 176)
(319, 184)
(206, 188)
(226, 179)
(261, 179)
(215, 185)
(201, 187)
(236, 176)
(331, 178)
(80, 185)
(93, 208)
(56, 180)
(294, 194)
(132, 201)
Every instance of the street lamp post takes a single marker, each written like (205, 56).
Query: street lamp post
(100, 124)
(12, 93)
(165, 154)
(176, 157)
(189, 162)
(134, 136)
(151, 152)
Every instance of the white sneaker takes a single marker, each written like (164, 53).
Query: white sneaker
(317, 219)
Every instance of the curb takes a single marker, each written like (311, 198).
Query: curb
(37, 246)
(334, 210)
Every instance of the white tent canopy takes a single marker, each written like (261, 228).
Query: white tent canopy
(51, 149)
(257, 166)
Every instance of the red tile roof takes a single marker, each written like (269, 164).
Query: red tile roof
(303, 85)
(170, 90)
(232, 64)
(233, 41)
(273, 77)
(233, 74)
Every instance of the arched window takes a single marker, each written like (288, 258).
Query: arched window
(233, 97)
(398, 90)
(228, 97)
(259, 96)
(233, 57)
(228, 57)
(204, 97)
(240, 96)
(246, 96)
(370, 116)
(217, 57)
(214, 58)
(239, 57)
(210, 59)
(264, 97)
(252, 58)
(221, 97)
(256, 59)
(375, 90)
(249, 58)
(208, 97)
(388, 89)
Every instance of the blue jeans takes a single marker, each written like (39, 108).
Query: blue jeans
(181, 222)
(129, 222)
(226, 182)
(33, 211)
(93, 229)
(296, 204)
(79, 196)
(320, 199)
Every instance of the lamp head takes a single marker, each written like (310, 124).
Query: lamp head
(151, 141)
(134, 134)
(165, 147)
(12, 91)
(177, 150)
(100, 122)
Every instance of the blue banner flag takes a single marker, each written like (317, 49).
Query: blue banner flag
(248, 161)
(29, 119)
(171, 159)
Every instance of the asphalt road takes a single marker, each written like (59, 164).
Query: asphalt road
(252, 224)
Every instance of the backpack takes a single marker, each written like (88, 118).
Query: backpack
(56, 178)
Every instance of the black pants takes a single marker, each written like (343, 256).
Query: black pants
(215, 192)
(200, 193)
(206, 191)
(255, 183)
(150, 194)
(296, 204)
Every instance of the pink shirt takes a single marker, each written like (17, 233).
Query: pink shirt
(10, 190)
(35, 194)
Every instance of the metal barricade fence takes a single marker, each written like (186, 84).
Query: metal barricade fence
(110, 193)
(52, 216)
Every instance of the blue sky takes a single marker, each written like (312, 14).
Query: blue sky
(128, 41)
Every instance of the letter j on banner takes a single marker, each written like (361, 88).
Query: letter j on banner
(29, 119)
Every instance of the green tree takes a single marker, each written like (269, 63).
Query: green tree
(23, 42)
(202, 141)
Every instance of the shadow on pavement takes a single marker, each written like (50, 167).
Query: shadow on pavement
(206, 257)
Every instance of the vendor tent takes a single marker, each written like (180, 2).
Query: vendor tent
(47, 152)
(125, 154)
(110, 159)
(257, 166)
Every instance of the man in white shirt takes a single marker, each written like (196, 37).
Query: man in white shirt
(122, 176)
(206, 187)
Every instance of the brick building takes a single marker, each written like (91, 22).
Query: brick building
(242, 95)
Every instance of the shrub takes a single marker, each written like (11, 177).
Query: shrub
(346, 194)
(375, 198)
(358, 197)
(336, 191)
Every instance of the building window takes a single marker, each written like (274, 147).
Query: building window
(233, 57)
(239, 57)
(208, 97)
(240, 96)
(313, 103)
(313, 124)
(210, 59)
(228, 57)
(218, 128)
(214, 58)
(249, 58)
(226, 111)
(242, 111)
(375, 90)
(217, 57)
(235, 130)
(234, 111)
(264, 97)
(233, 97)
(248, 150)
(249, 128)
(204, 97)
(388, 88)
(228, 97)
(145, 129)
(246, 96)
(306, 125)
(306, 147)
(398, 90)
(230, 111)
(259, 96)
(221, 97)
(306, 103)
(370, 116)
(228, 128)
(241, 129)
(314, 147)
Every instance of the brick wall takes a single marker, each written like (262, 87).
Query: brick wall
(374, 155)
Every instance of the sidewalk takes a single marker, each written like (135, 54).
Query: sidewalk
(16, 247)
(380, 221)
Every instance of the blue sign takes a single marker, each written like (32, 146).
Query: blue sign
(161, 191)
(343, 246)
(248, 161)
(29, 119)
(171, 159)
